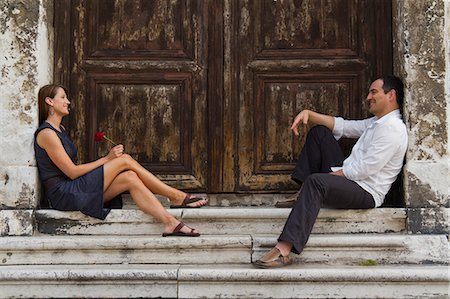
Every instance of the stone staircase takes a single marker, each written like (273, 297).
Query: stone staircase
(351, 254)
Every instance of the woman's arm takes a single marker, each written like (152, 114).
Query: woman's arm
(50, 142)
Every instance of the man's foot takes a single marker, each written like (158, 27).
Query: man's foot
(288, 202)
(273, 259)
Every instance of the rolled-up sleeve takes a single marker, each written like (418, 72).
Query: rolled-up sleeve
(350, 128)
(338, 129)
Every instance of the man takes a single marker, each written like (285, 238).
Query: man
(359, 182)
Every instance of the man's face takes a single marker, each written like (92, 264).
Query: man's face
(378, 101)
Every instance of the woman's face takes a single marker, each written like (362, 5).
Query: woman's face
(61, 102)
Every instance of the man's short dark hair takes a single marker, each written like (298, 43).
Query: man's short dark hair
(395, 83)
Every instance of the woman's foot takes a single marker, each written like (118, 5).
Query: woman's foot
(180, 230)
(190, 201)
(273, 259)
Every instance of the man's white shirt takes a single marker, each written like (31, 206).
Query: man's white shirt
(377, 157)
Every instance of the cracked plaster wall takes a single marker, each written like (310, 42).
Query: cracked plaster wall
(25, 64)
(422, 58)
(447, 89)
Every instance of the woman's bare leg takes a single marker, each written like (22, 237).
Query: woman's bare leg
(143, 197)
(125, 162)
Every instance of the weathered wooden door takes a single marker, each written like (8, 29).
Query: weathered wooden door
(137, 70)
(202, 93)
(287, 56)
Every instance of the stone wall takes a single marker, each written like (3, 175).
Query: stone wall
(421, 56)
(25, 64)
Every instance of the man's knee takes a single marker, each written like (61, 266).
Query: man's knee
(318, 135)
(315, 178)
(312, 189)
(319, 182)
(320, 131)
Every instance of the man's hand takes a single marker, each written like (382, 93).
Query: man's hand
(301, 118)
(308, 116)
(338, 173)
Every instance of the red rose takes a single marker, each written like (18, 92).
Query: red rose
(100, 136)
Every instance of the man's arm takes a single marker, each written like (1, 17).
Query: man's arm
(310, 116)
(386, 143)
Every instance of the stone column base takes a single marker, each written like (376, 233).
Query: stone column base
(16, 222)
(428, 220)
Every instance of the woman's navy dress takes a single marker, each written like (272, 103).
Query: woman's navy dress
(84, 193)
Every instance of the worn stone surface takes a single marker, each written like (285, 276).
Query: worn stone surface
(332, 249)
(428, 184)
(95, 281)
(222, 281)
(314, 282)
(246, 200)
(20, 187)
(359, 249)
(223, 220)
(422, 55)
(429, 220)
(41, 250)
(25, 63)
(420, 35)
(16, 222)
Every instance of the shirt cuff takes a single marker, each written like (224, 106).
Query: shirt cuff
(338, 129)
(348, 173)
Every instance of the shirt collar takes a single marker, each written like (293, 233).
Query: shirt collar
(393, 114)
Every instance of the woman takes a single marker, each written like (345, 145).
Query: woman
(86, 187)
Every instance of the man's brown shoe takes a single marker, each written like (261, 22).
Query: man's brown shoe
(273, 259)
(288, 202)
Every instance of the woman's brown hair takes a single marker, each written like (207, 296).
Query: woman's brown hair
(46, 91)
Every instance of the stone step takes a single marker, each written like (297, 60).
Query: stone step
(364, 249)
(224, 199)
(118, 249)
(215, 221)
(223, 281)
(239, 249)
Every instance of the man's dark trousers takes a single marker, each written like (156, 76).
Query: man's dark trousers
(320, 152)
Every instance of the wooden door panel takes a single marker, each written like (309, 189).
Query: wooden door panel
(276, 145)
(125, 107)
(305, 28)
(138, 72)
(152, 113)
(296, 55)
(278, 99)
(145, 29)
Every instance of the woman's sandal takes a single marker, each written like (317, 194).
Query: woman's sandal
(178, 233)
(273, 259)
(188, 200)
